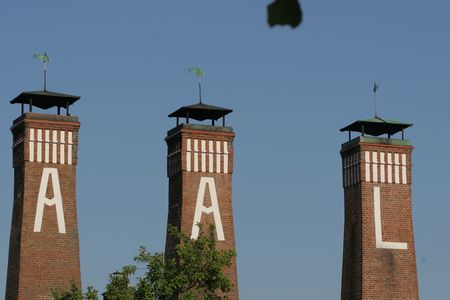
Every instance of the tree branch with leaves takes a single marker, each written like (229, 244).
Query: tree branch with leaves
(195, 271)
(285, 12)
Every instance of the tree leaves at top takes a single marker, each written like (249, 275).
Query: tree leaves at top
(119, 286)
(74, 293)
(195, 271)
(285, 12)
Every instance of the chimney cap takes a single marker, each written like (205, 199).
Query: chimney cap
(201, 112)
(377, 126)
(45, 99)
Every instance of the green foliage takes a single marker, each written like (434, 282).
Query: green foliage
(194, 272)
(119, 286)
(91, 293)
(74, 293)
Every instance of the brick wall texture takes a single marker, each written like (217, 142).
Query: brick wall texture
(193, 154)
(372, 271)
(45, 260)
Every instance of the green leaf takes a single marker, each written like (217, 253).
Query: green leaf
(285, 12)
(194, 271)
(73, 293)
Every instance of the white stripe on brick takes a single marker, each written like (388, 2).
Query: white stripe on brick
(62, 140)
(218, 163)
(173, 159)
(31, 145)
(353, 169)
(47, 146)
(225, 157)
(69, 147)
(188, 145)
(225, 163)
(350, 164)
(344, 171)
(32, 138)
(345, 168)
(195, 161)
(203, 148)
(188, 155)
(203, 144)
(188, 161)
(367, 166)
(218, 147)
(63, 137)
(350, 169)
(375, 157)
(389, 161)
(195, 145)
(55, 147)
(211, 157)
(195, 155)
(375, 166)
(347, 171)
(357, 167)
(404, 174)
(39, 145)
(62, 156)
(69, 154)
(203, 162)
(44, 146)
(397, 167)
(218, 155)
(225, 147)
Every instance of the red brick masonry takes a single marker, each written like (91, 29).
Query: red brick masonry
(196, 152)
(42, 260)
(385, 269)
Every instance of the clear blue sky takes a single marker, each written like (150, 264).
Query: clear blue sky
(291, 91)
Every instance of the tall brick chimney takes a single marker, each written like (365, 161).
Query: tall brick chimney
(200, 169)
(379, 259)
(44, 246)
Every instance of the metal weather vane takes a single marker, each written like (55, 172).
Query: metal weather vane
(375, 89)
(200, 73)
(44, 58)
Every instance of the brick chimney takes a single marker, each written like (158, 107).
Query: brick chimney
(44, 245)
(200, 169)
(379, 255)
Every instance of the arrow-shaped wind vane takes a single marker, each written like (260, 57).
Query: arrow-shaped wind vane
(200, 73)
(375, 89)
(44, 58)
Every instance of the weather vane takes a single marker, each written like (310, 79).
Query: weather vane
(45, 59)
(375, 88)
(200, 73)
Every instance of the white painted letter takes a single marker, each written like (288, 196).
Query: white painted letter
(214, 208)
(378, 233)
(43, 200)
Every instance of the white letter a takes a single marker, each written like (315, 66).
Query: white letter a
(214, 208)
(43, 200)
